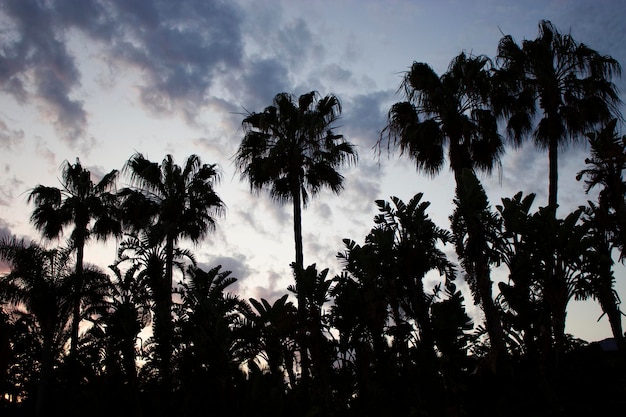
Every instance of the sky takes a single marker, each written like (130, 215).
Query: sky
(100, 80)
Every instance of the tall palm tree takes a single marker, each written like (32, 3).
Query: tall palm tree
(556, 89)
(290, 149)
(473, 226)
(452, 113)
(89, 208)
(168, 203)
(38, 281)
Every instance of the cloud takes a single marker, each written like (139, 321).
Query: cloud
(364, 116)
(236, 264)
(8, 188)
(43, 151)
(178, 48)
(262, 79)
(36, 64)
(9, 137)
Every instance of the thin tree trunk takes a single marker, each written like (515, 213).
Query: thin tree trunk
(482, 274)
(553, 173)
(43, 386)
(607, 300)
(166, 316)
(492, 319)
(299, 269)
(75, 328)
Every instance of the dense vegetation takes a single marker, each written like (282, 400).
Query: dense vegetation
(373, 340)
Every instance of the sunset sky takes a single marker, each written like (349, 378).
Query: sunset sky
(101, 80)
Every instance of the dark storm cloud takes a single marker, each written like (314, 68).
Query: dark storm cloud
(178, 47)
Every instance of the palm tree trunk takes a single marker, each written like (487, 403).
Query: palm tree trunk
(78, 285)
(553, 151)
(130, 368)
(492, 319)
(607, 300)
(299, 269)
(297, 229)
(43, 386)
(166, 316)
(476, 233)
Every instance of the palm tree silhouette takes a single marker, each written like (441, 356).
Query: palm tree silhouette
(452, 112)
(91, 208)
(566, 81)
(39, 281)
(290, 149)
(167, 202)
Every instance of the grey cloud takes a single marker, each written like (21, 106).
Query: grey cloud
(364, 116)
(9, 137)
(5, 233)
(179, 48)
(362, 187)
(273, 286)
(297, 44)
(235, 264)
(336, 74)
(5, 229)
(10, 187)
(272, 215)
(261, 81)
(42, 54)
(44, 152)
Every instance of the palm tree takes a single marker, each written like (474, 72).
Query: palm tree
(148, 261)
(168, 203)
(117, 321)
(451, 112)
(290, 149)
(473, 226)
(314, 288)
(605, 169)
(207, 360)
(91, 208)
(567, 82)
(271, 328)
(38, 281)
(608, 218)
